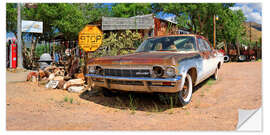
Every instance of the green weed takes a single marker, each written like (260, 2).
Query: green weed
(210, 82)
(66, 99)
(171, 101)
(131, 103)
(71, 100)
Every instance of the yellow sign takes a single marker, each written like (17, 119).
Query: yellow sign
(90, 38)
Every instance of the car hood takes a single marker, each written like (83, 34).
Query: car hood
(142, 58)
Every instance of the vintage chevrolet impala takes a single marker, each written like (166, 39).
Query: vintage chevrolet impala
(166, 64)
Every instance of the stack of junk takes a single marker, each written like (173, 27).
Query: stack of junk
(68, 77)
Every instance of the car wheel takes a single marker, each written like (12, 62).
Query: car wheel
(215, 75)
(226, 58)
(186, 93)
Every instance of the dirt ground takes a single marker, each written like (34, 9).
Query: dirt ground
(214, 105)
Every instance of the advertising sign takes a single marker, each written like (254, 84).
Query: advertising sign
(32, 26)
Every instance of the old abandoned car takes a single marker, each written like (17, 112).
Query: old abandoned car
(167, 64)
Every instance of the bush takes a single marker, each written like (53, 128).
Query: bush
(115, 41)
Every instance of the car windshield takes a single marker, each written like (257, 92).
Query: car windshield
(172, 43)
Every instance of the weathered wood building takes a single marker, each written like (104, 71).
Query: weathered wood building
(146, 25)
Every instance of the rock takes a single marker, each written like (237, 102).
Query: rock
(76, 89)
(66, 78)
(61, 84)
(34, 79)
(52, 84)
(73, 82)
(51, 76)
(30, 75)
(59, 72)
(58, 78)
(79, 76)
(41, 73)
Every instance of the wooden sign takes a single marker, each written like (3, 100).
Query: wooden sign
(90, 38)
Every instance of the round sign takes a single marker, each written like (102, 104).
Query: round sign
(90, 38)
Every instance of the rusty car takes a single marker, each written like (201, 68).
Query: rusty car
(164, 64)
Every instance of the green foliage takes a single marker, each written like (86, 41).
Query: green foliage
(198, 17)
(11, 19)
(115, 41)
(230, 26)
(132, 103)
(67, 18)
(71, 100)
(71, 20)
(66, 99)
(210, 81)
(42, 48)
(171, 102)
(131, 9)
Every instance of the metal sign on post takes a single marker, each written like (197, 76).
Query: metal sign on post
(90, 38)
(32, 26)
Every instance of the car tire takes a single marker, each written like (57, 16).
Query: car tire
(215, 75)
(185, 94)
(226, 58)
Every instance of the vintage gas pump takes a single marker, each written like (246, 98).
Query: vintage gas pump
(13, 54)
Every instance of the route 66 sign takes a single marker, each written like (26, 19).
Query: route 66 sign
(90, 38)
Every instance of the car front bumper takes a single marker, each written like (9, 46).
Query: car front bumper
(139, 84)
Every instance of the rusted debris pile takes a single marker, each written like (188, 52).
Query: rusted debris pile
(69, 77)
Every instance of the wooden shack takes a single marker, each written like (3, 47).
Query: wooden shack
(146, 25)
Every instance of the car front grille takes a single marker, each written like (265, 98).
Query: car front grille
(127, 72)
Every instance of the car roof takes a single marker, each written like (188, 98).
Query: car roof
(193, 35)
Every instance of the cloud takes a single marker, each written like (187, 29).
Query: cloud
(257, 6)
(252, 11)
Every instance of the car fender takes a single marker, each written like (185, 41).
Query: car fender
(186, 65)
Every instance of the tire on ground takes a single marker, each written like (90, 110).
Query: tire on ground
(185, 94)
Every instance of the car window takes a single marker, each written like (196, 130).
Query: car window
(170, 43)
(201, 45)
(208, 48)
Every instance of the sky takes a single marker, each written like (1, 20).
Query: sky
(252, 11)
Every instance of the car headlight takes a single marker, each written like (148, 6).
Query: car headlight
(92, 69)
(157, 71)
(170, 71)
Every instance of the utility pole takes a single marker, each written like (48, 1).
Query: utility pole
(19, 35)
(214, 33)
(250, 33)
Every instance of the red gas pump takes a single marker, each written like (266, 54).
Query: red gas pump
(13, 49)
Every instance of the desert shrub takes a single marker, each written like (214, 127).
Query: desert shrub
(115, 41)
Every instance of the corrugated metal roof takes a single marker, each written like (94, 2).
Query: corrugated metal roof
(136, 22)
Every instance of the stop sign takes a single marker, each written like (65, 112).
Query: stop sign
(90, 38)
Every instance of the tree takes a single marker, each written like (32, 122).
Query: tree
(11, 18)
(94, 12)
(131, 9)
(230, 26)
(198, 18)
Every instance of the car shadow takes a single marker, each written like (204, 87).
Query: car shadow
(149, 102)
(203, 83)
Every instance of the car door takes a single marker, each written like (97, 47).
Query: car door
(205, 55)
(212, 61)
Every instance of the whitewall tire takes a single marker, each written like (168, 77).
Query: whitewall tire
(186, 93)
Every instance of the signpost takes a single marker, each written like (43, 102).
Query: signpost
(90, 39)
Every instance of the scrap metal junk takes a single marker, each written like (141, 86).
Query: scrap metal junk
(45, 60)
